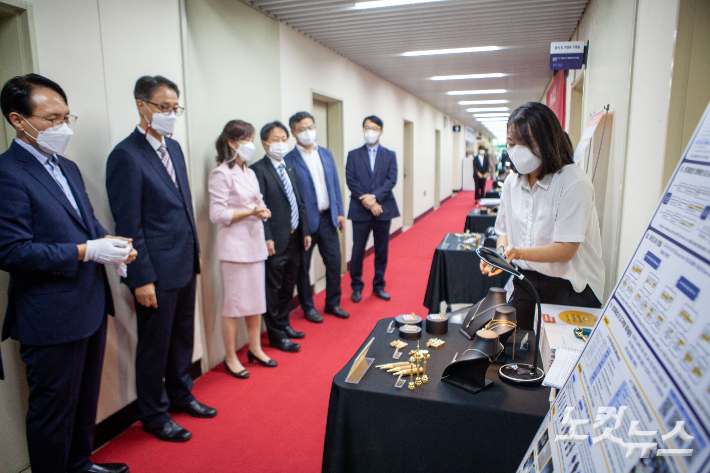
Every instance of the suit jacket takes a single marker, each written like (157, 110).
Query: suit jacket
(361, 180)
(308, 189)
(278, 227)
(477, 167)
(237, 189)
(148, 207)
(53, 297)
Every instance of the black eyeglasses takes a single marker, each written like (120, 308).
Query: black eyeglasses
(167, 109)
(70, 120)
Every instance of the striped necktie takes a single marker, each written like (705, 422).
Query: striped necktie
(167, 162)
(291, 196)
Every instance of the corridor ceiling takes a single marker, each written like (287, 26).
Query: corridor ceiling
(377, 38)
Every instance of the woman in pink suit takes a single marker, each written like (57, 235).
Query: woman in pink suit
(237, 205)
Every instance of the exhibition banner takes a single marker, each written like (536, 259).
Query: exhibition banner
(638, 398)
(587, 135)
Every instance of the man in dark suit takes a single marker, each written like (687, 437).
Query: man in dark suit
(55, 251)
(481, 171)
(150, 200)
(287, 234)
(371, 173)
(320, 187)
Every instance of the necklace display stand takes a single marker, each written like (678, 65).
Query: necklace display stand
(504, 324)
(482, 313)
(468, 371)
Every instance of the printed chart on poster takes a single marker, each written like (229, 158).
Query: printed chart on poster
(638, 399)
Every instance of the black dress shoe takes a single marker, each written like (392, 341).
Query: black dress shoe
(381, 294)
(109, 468)
(337, 311)
(285, 345)
(195, 409)
(291, 333)
(269, 364)
(170, 432)
(356, 296)
(312, 315)
(243, 374)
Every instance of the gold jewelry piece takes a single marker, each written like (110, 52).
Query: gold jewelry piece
(476, 314)
(409, 318)
(391, 365)
(398, 344)
(579, 331)
(436, 343)
(479, 351)
(409, 328)
(439, 316)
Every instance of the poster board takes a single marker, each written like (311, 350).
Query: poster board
(650, 350)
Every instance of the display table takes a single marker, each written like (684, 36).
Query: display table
(375, 427)
(455, 276)
(479, 223)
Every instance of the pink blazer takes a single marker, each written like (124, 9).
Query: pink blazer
(236, 189)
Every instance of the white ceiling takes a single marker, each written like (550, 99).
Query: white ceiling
(376, 38)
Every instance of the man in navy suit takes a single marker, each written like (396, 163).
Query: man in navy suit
(371, 173)
(55, 251)
(150, 199)
(320, 189)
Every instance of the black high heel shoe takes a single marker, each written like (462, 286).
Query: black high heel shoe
(243, 374)
(269, 364)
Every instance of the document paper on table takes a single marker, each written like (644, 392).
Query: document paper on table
(650, 349)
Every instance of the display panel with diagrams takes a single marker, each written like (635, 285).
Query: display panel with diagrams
(646, 366)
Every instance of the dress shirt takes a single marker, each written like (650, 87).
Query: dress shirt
(372, 152)
(51, 164)
(480, 160)
(559, 208)
(154, 143)
(315, 167)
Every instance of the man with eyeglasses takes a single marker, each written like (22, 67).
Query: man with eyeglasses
(55, 250)
(371, 173)
(320, 188)
(150, 199)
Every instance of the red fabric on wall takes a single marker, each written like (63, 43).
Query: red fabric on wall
(556, 96)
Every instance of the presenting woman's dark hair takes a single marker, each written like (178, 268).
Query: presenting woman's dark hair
(535, 126)
(234, 130)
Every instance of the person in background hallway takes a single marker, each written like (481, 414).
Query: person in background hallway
(371, 173)
(287, 234)
(481, 172)
(55, 250)
(236, 204)
(547, 220)
(150, 199)
(320, 188)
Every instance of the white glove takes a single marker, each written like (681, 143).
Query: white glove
(122, 270)
(107, 251)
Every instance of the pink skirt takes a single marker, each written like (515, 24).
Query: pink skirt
(244, 289)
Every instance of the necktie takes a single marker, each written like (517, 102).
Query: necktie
(167, 162)
(291, 196)
(63, 183)
(373, 155)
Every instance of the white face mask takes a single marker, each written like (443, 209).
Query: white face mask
(371, 137)
(278, 150)
(53, 140)
(481, 153)
(245, 151)
(524, 160)
(163, 124)
(307, 137)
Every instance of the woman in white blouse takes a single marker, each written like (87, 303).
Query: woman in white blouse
(547, 221)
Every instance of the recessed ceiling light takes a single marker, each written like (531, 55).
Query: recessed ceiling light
(482, 102)
(491, 109)
(476, 92)
(484, 115)
(470, 76)
(389, 3)
(435, 52)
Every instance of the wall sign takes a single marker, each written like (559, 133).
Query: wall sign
(457, 128)
(470, 135)
(566, 55)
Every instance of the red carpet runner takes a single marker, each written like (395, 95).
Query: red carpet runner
(275, 420)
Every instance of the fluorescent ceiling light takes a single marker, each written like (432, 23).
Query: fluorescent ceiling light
(470, 76)
(389, 3)
(492, 120)
(435, 52)
(476, 92)
(486, 115)
(482, 102)
(491, 109)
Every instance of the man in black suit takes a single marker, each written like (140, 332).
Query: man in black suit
(55, 250)
(286, 232)
(150, 199)
(371, 173)
(481, 171)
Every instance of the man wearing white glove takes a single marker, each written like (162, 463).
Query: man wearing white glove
(50, 243)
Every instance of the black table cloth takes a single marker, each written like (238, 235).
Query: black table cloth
(455, 276)
(479, 223)
(374, 427)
